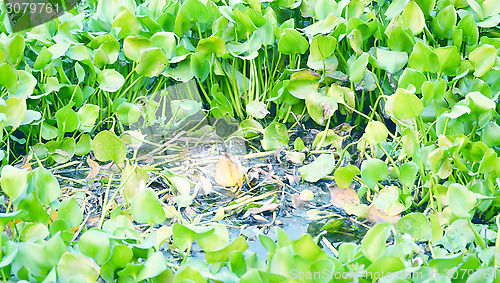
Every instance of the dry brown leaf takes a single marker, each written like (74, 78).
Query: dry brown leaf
(25, 162)
(259, 218)
(265, 207)
(377, 215)
(228, 172)
(340, 196)
(94, 169)
(297, 200)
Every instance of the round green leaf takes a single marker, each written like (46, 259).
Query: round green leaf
(151, 62)
(108, 147)
(322, 47)
(376, 132)
(110, 80)
(415, 224)
(134, 46)
(128, 113)
(404, 104)
(87, 115)
(320, 107)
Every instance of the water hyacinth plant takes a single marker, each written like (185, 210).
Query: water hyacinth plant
(369, 141)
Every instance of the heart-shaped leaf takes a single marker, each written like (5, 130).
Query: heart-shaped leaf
(319, 168)
(146, 208)
(108, 147)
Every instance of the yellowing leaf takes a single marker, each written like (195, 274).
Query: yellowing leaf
(341, 196)
(228, 172)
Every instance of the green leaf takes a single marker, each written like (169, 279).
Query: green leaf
(95, 244)
(214, 241)
(376, 132)
(134, 46)
(292, 42)
(385, 265)
(70, 211)
(13, 181)
(146, 208)
(373, 244)
(413, 18)
(257, 109)
(67, 119)
(26, 85)
(239, 244)
(36, 211)
(413, 77)
(469, 29)
(47, 186)
(461, 200)
(344, 175)
(200, 66)
(87, 114)
(128, 113)
(127, 23)
(404, 105)
(43, 58)
(483, 59)
(444, 21)
(110, 80)
(213, 44)
(15, 110)
(357, 68)
(319, 168)
(408, 174)
(166, 41)
(151, 62)
(423, 59)
(401, 40)
(77, 267)
(391, 61)
(195, 11)
(320, 107)
(9, 78)
(415, 224)
(322, 47)
(303, 83)
(61, 151)
(14, 49)
(307, 248)
(154, 266)
(275, 136)
(84, 145)
(449, 60)
(372, 171)
(108, 147)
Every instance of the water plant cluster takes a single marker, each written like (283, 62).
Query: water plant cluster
(418, 80)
